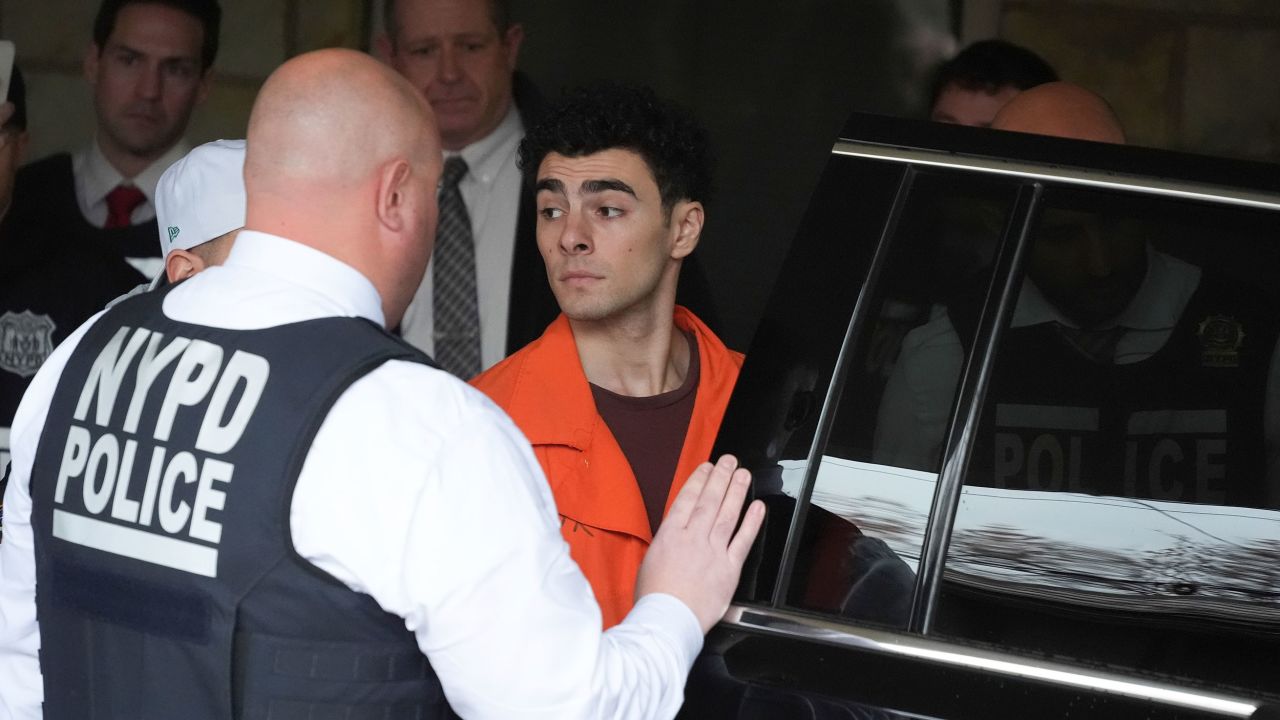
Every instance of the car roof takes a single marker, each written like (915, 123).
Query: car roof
(980, 149)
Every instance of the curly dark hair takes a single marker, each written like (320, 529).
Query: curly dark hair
(607, 115)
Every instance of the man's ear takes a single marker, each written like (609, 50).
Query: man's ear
(206, 82)
(92, 55)
(686, 221)
(182, 264)
(382, 47)
(512, 39)
(393, 194)
(22, 139)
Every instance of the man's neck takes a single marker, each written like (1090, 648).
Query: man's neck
(637, 357)
(456, 144)
(126, 163)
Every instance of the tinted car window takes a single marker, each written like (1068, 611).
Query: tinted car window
(773, 416)
(869, 506)
(1121, 494)
(1102, 545)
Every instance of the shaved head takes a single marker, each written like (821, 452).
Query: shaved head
(333, 116)
(1061, 109)
(343, 155)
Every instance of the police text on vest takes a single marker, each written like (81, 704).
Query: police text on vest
(119, 461)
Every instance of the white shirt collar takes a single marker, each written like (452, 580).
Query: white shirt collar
(292, 262)
(100, 177)
(1159, 302)
(488, 155)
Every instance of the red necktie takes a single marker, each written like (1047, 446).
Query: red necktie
(120, 205)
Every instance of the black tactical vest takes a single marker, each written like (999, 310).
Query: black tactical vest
(1184, 425)
(168, 585)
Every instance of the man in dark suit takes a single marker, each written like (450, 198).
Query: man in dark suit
(148, 67)
(81, 227)
(490, 297)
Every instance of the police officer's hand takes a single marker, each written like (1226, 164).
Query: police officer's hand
(696, 555)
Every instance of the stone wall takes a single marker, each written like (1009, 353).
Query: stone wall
(257, 35)
(1183, 74)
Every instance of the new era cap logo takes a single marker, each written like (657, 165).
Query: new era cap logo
(173, 232)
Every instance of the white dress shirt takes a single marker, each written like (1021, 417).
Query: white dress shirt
(418, 491)
(95, 177)
(491, 192)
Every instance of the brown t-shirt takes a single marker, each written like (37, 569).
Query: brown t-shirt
(651, 431)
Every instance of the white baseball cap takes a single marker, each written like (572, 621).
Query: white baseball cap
(201, 196)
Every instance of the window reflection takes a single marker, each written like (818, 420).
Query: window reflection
(772, 418)
(1128, 371)
(861, 544)
(1123, 474)
(958, 233)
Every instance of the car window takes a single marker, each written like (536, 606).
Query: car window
(772, 418)
(1120, 502)
(860, 547)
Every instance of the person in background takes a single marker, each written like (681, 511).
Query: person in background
(1124, 371)
(486, 294)
(970, 88)
(199, 208)
(623, 394)
(82, 230)
(225, 570)
(24, 341)
(148, 66)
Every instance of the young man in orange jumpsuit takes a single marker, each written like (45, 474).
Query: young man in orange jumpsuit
(624, 391)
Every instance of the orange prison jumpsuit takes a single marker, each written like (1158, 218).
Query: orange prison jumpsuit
(602, 514)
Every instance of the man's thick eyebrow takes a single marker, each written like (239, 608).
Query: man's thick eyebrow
(591, 187)
(550, 185)
(118, 46)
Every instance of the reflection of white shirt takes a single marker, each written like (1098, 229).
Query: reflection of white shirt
(435, 507)
(1148, 319)
(916, 405)
(491, 192)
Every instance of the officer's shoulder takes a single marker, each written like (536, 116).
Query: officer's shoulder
(417, 388)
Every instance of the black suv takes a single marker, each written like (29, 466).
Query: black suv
(1015, 410)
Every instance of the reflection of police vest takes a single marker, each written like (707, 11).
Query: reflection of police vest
(167, 582)
(1185, 424)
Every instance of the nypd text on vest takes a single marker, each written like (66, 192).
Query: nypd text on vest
(117, 455)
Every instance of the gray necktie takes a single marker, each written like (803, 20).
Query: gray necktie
(453, 297)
